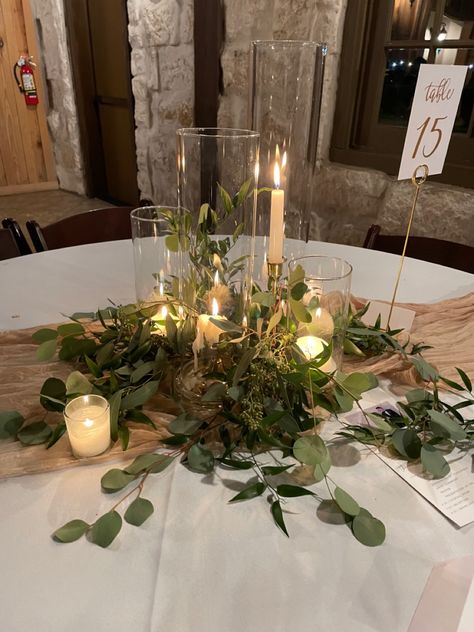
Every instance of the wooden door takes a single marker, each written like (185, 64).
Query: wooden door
(26, 159)
(100, 53)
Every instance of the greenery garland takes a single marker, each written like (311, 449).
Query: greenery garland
(264, 400)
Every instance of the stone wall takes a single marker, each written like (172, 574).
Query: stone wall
(61, 106)
(161, 37)
(348, 200)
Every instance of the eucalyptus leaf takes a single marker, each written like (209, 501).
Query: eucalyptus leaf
(114, 404)
(114, 480)
(278, 516)
(141, 371)
(226, 325)
(216, 392)
(433, 461)
(367, 529)
(77, 383)
(105, 354)
(346, 503)
(200, 459)
(235, 392)
(298, 291)
(407, 443)
(57, 433)
(300, 312)
(310, 450)
(380, 422)
(138, 511)
(467, 382)
(184, 424)
(124, 436)
(104, 531)
(274, 320)
(273, 470)
(426, 371)
(237, 465)
(249, 492)
(291, 491)
(73, 347)
(10, 423)
(70, 329)
(244, 362)
(42, 335)
(321, 469)
(71, 531)
(140, 395)
(446, 426)
(46, 350)
(35, 433)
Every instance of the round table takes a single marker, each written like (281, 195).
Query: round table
(199, 564)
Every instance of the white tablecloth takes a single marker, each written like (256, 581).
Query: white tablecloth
(199, 564)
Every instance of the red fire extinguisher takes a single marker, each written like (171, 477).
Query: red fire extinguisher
(26, 81)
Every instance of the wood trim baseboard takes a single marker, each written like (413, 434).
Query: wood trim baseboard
(29, 188)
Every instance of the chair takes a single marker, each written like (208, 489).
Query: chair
(445, 253)
(8, 246)
(103, 224)
(20, 239)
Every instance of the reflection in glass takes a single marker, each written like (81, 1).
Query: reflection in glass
(401, 74)
(412, 20)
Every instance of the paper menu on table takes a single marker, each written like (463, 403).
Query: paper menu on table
(452, 495)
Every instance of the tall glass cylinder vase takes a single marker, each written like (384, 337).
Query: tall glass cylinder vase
(217, 184)
(322, 286)
(161, 260)
(285, 101)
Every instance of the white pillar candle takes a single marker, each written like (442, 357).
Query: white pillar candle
(313, 346)
(277, 227)
(207, 332)
(88, 425)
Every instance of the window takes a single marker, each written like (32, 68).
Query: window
(384, 45)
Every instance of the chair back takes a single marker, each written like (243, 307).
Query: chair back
(103, 224)
(445, 253)
(8, 246)
(18, 236)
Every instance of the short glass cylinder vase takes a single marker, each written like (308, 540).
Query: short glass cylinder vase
(285, 102)
(217, 184)
(321, 312)
(160, 258)
(88, 425)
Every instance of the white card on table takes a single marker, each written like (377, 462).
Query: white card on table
(402, 318)
(433, 111)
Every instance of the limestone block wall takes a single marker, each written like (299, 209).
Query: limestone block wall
(162, 62)
(61, 106)
(347, 200)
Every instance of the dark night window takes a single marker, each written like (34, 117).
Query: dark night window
(385, 43)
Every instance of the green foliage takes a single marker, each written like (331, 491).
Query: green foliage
(104, 530)
(10, 423)
(138, 511)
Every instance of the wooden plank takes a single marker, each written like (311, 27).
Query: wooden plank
(11, 189)
(27, 120)
(11, 143)
(32, 41)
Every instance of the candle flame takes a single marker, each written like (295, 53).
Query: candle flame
(215, 307)
(276, 175)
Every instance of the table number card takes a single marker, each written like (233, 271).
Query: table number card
(433, 112)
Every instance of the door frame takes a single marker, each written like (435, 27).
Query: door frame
(33, 50)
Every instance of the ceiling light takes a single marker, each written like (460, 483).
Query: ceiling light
(442, 32)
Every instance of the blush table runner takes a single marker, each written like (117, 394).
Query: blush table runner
(448, 326)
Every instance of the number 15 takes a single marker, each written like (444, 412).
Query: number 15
(423, 127)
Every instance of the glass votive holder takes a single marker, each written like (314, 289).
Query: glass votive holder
(327, 296)
(88, 425)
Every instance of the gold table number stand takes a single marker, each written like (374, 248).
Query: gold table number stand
(417, 181)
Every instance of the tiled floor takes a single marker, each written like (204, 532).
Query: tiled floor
(46, 206)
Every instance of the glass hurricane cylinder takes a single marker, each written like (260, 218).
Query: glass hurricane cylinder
(217, 180)
(327, 296)
(160, 259)
(285, 101)
(217, 184)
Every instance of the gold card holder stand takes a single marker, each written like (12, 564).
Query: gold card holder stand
(418, 181)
